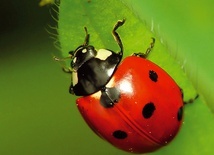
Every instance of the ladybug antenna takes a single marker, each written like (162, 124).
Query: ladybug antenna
(191, 100)
(87, 36)
(61, 59)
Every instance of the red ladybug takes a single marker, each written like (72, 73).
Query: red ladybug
(134, 104)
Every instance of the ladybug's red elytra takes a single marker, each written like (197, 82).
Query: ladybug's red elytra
(134, 104)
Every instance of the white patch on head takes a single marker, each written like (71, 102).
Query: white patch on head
(84, 50)
(75, 59)
(103, 54)
(75, 78)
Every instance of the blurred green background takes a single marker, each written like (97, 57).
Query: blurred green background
(37, 114)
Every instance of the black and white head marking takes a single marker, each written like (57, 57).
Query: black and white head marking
(81, 55)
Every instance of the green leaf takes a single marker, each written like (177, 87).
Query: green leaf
(99, 16)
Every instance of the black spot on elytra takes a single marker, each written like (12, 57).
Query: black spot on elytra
(119, 134)
(180, 114)
(153, 76)
(148, 110)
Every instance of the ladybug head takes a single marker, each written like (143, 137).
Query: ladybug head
(82, 54)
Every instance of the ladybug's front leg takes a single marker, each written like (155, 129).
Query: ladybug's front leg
(149, 49)
(116, 35)
(190, 100)
(71, 89)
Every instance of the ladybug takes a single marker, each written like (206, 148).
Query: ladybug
(134, 104)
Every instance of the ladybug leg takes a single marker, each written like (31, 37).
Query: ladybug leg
(116, 35)
(152, 44)
(190, 100)
(67, 70)
(64, 69)
(109, 96)
(71, 89)
(149, 49)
